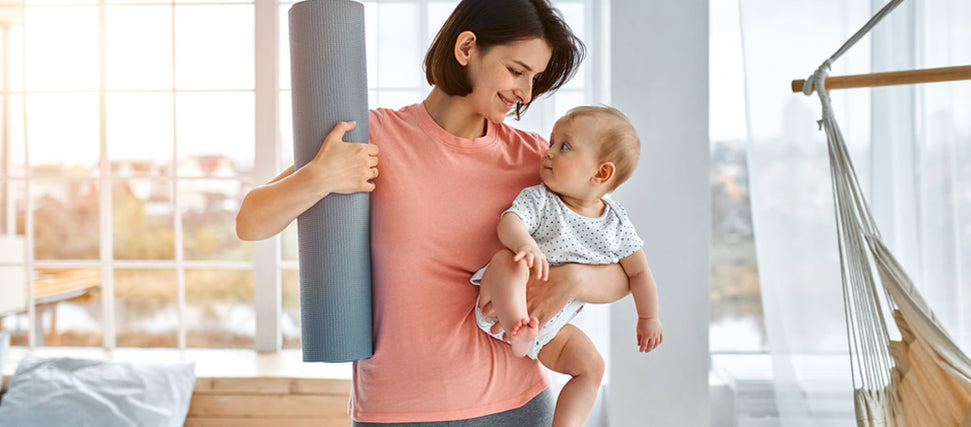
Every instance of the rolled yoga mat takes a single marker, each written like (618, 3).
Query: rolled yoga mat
(329, 81)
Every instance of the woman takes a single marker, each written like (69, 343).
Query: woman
(449, 167)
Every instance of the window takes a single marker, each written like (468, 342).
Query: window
(129, 144)
(737, 324)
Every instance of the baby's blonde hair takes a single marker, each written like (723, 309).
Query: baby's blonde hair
(619, 142)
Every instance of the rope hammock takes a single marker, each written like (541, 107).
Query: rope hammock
(924, 379)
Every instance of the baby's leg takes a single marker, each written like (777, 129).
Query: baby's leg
(504, 285)
(571, 352)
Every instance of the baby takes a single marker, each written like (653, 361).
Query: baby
(567, 219)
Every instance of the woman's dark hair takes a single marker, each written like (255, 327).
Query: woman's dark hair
(499, 22)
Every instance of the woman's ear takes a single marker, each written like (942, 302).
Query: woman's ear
(463, 47)
(605, 172)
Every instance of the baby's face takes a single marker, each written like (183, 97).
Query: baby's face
(572, 160)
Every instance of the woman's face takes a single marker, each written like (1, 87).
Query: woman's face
(504, 75)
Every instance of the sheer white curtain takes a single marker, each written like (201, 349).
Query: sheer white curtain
(910, 145)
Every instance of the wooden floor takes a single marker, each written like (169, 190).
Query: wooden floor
(266, 402)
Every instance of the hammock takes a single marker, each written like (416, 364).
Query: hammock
(924, 379)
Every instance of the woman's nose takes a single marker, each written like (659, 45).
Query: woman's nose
(524, 91)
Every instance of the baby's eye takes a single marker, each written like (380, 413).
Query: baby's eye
(564, 146)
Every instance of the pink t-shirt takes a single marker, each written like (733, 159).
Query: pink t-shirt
(433, 224)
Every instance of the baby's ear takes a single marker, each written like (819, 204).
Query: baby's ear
(605, 172)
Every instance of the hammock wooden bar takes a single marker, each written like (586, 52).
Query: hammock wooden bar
(927, 75)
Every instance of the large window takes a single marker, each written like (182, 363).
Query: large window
(737, 323)
(132, 130)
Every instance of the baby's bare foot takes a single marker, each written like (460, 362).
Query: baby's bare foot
(522, 336)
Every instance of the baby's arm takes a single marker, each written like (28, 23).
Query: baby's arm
(642, 287)
(514, 236)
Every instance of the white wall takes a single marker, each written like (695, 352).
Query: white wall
(659, 78)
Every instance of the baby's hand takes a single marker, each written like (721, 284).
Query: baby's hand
(535, 260)
(649, 333)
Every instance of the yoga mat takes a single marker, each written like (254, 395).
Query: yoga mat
(329, 81)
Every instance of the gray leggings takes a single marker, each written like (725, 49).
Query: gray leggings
(538, 412)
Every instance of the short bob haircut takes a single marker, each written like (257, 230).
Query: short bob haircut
(498, 22)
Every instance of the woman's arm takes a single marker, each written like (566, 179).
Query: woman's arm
(596, 284)
(338, 167)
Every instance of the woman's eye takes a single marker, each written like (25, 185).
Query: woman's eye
(514, 72)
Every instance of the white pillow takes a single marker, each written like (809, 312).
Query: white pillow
(79, 392)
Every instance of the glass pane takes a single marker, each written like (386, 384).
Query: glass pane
(69, 306)
(737, 323)
(63, 131)
(371, 32)
(400, 50)
(290, 318)
(138, 44)
(575, 16)
(17, 325)
(216, 133)
(13, 281)
(15, 207)
(438, 12)
(143, 219)
(214, 47)
(290, 247)
(16, 137)
(11, 198)
(219, 308)
(284, 70)
(146, 308)
(395, 99)
(62, 48)
(66, 219)
(140, 133)
(4, 113)
(209, 209)
(14, 48)
(286, 130)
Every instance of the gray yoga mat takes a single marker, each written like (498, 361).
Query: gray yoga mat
(329, 81)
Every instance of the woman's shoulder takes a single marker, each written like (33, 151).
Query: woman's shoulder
(382, 115)
(519, 137)
(382, 120)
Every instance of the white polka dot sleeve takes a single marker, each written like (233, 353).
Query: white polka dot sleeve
(529, 206)
(629, 241)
